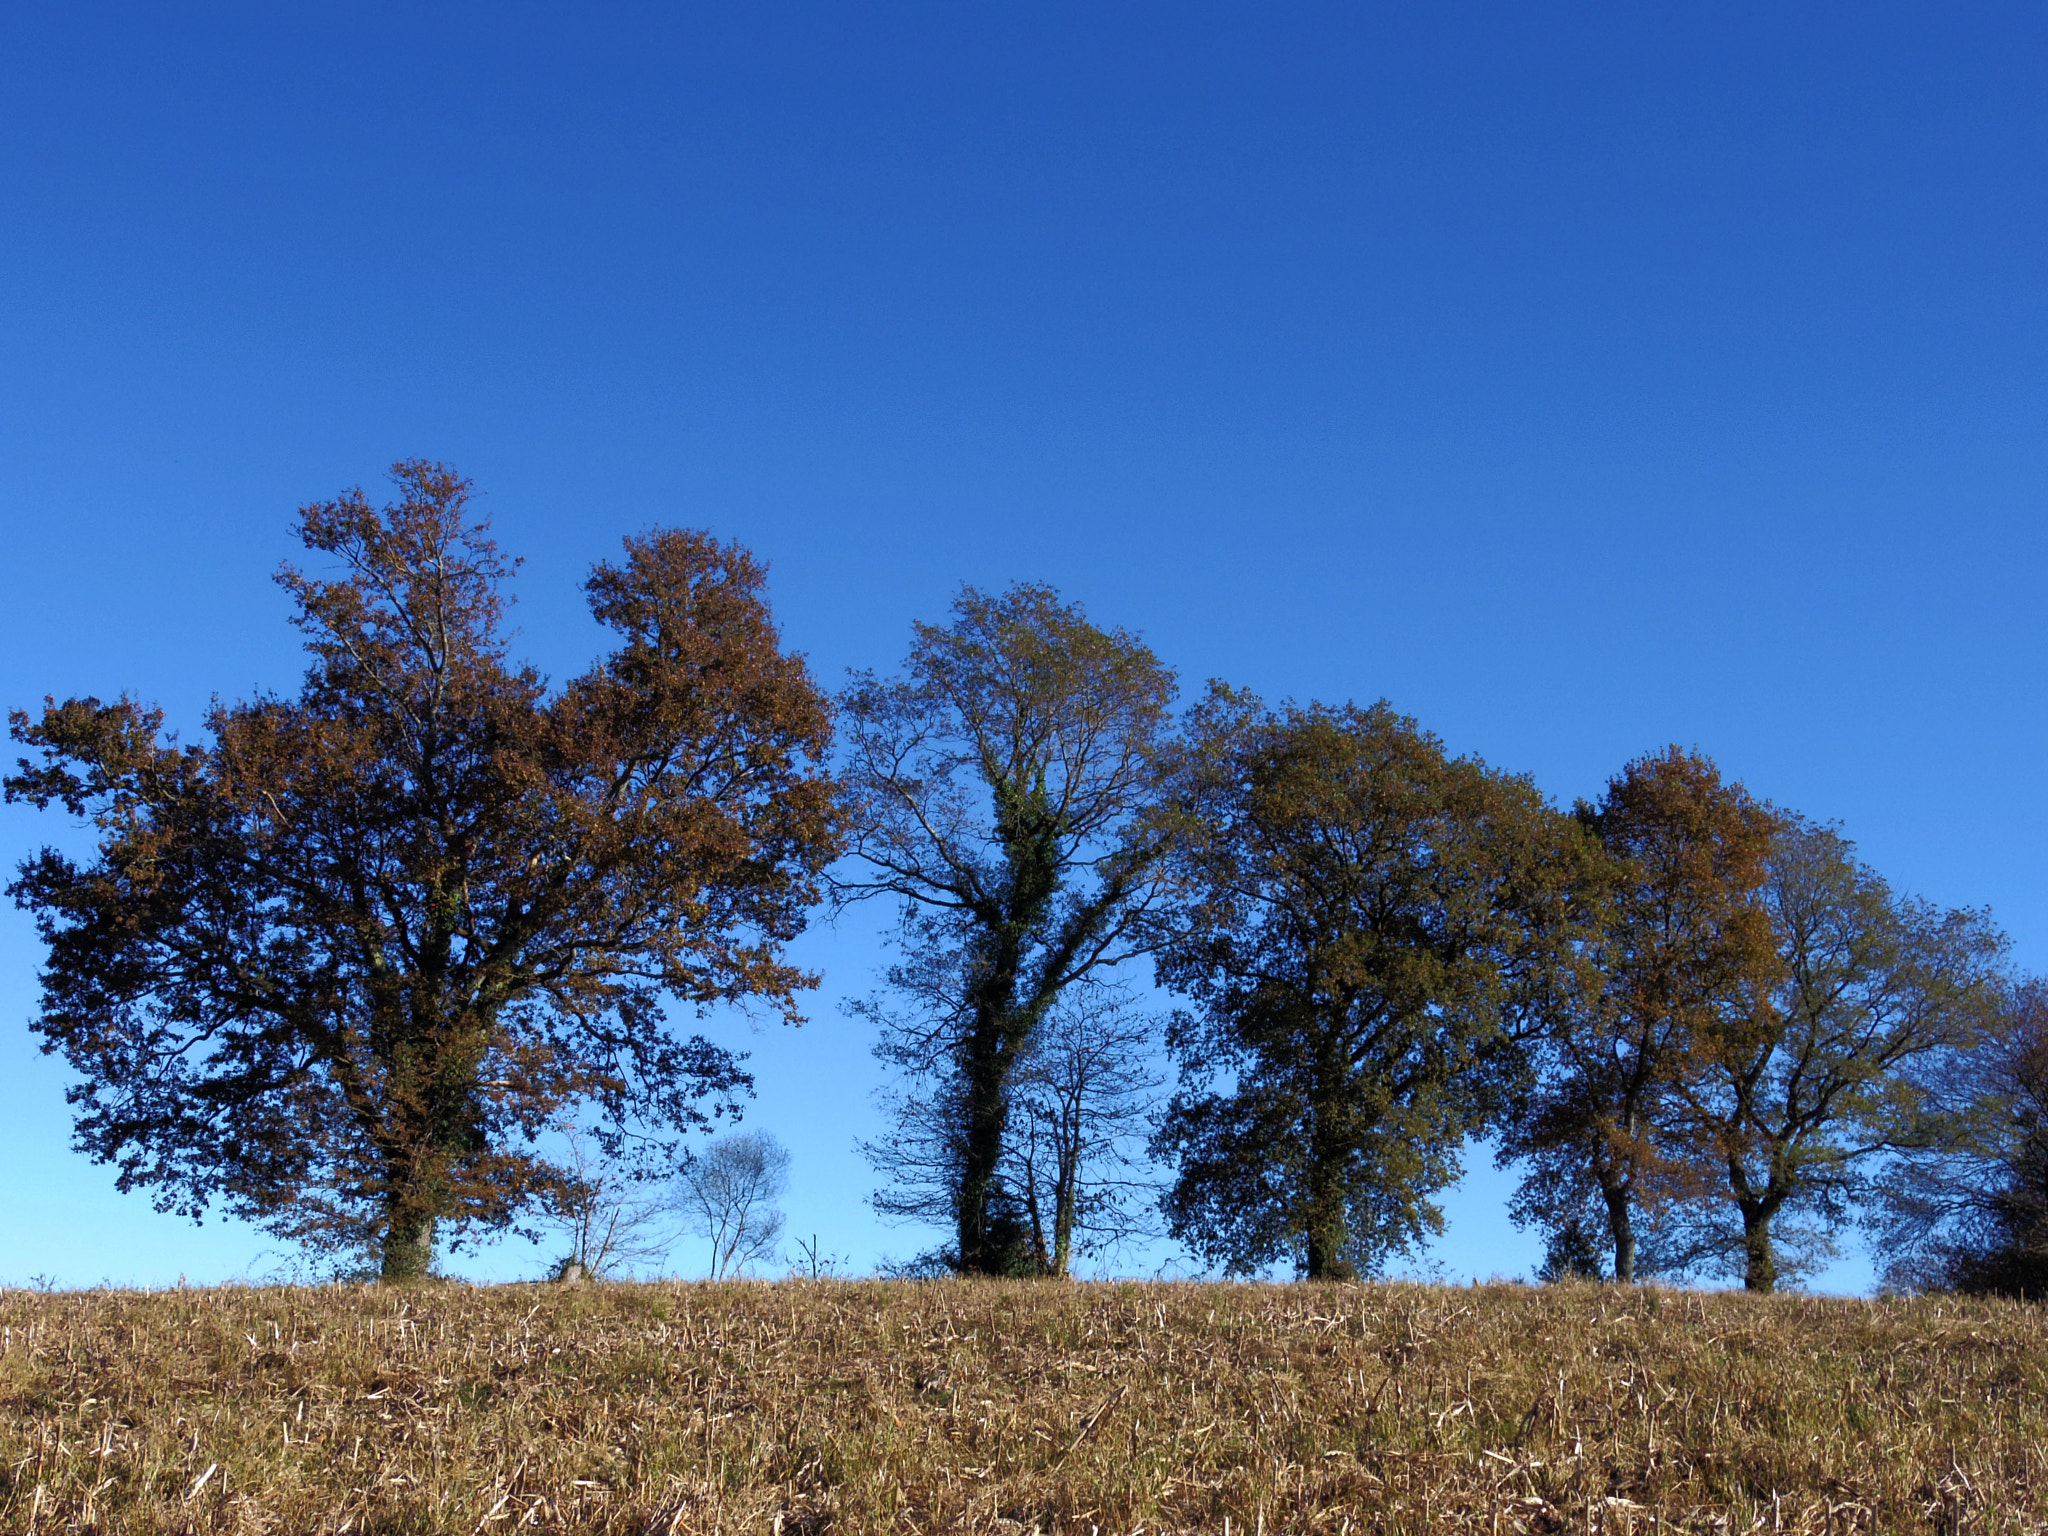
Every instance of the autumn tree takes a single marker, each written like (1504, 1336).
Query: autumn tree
(1363, 926)
(1796, 1089)
(338, 966)
(1000, 790)
(1682, 937)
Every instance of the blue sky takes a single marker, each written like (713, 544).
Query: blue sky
(1580, 378)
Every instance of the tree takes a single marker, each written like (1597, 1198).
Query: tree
(1795, 1087)
(1680, 934)
(1572, 1251)
(1363, 925)
(1001, 791)
(1968, 1211)
(727, 1195)
(340, 966)
(1085, 1097)
(610, 1220)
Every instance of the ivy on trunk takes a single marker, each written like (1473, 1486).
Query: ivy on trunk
(1002, 792)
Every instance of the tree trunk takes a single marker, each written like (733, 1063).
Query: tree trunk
(982, 1153)
(1759, 1259)
(1029, 828)
(1325, 1253)
(1063, 1216)
(1621, 1222)
(408, 1247)
(1042, 1248)
(1326, 1226)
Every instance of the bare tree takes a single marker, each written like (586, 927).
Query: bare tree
(1086, 1099)
(814, 1263)
(1970, 1212)
(611, 1221)
(727, 1195)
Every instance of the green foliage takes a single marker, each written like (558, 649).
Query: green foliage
(1363, 925)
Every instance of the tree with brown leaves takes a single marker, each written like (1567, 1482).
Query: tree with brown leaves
(339, 967)
(1684, 938)
(1794, 1090)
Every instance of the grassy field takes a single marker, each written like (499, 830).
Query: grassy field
(854, 1407)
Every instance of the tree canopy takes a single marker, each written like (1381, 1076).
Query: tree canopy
(389, 961)
(338, 966)
(1677, 935)
(1797, 1088)
(1363, 924)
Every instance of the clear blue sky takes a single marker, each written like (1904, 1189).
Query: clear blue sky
(1580, 378)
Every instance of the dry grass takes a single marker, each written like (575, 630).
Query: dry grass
(854, 1407)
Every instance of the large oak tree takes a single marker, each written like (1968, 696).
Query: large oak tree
(340, 965)
(1365, 925)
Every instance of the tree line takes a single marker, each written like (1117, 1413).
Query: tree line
(361, 965)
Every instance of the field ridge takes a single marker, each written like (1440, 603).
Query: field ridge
(871, 1406)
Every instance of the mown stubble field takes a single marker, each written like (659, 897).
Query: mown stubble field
(957, 1406)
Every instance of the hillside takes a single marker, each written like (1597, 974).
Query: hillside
(854, 1407)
